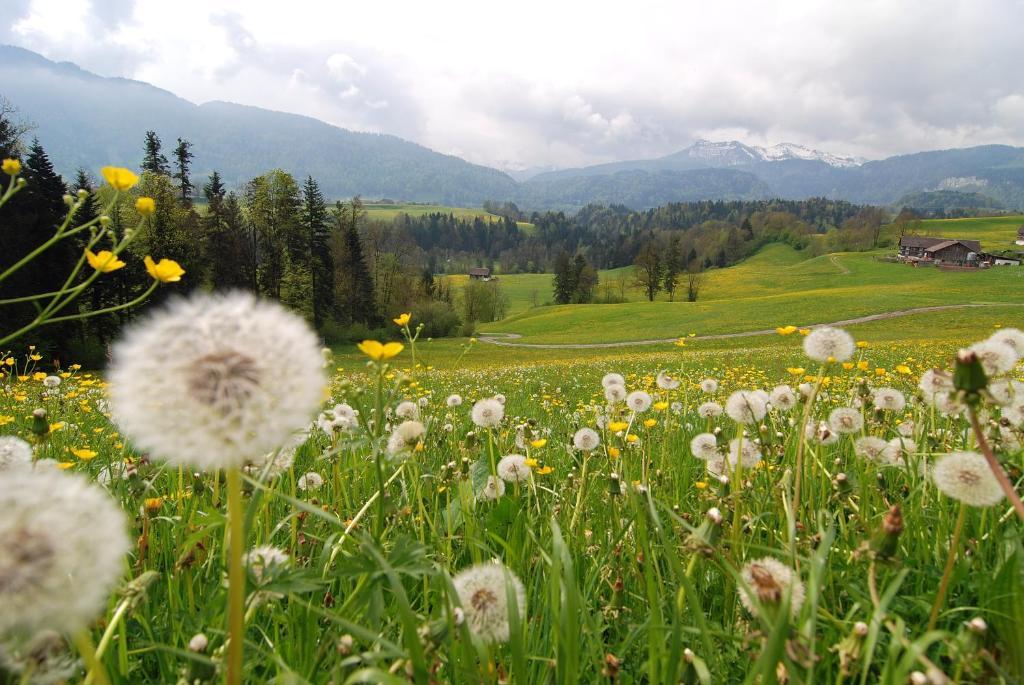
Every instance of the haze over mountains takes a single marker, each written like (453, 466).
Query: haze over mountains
(85, 120)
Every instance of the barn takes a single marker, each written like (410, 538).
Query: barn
(956, 251)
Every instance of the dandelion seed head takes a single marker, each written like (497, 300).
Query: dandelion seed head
(51, 381)
(15, 453)
(966, 476)
(746, 453)
(405, 436)
(614, 393)
(586, 439)
(709, 385)
(62, 545)
(783, 398)
(995, 357)
(263, 561)
(310, 481)
(704, 446)
(666, 381)
(845, 420)
(744, 406)
(483, 592)
(638, 401)
(935, 381)
(889, 399)
(825, 344)
(407, 410)
(454, 400)
(200, 382)
(1011, 337)
(612, 379)
(488, 413)
(513, 468)
(493, 489)
(871, 447)
(768, 580)
(709, 410)
(44, 658)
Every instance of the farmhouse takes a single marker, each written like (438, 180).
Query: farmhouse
(480, 273)
(915, 248)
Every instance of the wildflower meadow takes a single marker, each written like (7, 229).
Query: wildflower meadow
(225, 502)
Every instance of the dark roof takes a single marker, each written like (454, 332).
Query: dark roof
(972, 245)
(933, 244)
(479, 271)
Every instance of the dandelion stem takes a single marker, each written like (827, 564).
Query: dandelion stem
(95, 669)
(801, 441)
(993, 463)
(947, 573)
(236, 578)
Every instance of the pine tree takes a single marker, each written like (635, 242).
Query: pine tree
(565, 279)
(183, 163)
(315, 223)
(154, 160)
(353, 284)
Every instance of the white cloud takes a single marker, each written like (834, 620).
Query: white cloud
(576, 81)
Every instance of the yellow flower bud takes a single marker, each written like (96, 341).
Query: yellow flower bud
(145, 206)
(12, 167)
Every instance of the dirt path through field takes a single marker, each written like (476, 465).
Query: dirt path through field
(504, 339)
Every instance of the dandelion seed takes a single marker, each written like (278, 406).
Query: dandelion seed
(666, 382)
(483, 592)
(889, 399)
(586, 439)
(638, 401)
(514, 469)
(704, 446)
(995, 357)
(845, 420)
(15, 453)
(407, 410)
(783, 398)
(200, 382)
(612, 379)
(709, 385)
(62, 546)
(488, 413)
(709, 410)
(493, 489)
(310, 481)
(745, 407)
(966, 476)
(826, 344)
(769, 580)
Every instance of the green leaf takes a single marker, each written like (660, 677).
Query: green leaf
(1005, 603)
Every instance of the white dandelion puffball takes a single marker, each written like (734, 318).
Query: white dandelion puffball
(845, 420)
(405, 436)
(488, 413)
(612, 379)
(666, 382)
(1014, 414)
(709, 410)
(15, 453)
(638, 401)
(586, 439)
(871, 448)
(934, 381)
(709, 385)
(995, 357)
(768, 580)
(483, 592)
(718, 467)
(62, 546)
(51, 381)
(704, 446)
(897, 448)
(263, 560)
(747, 453)
(822, 432)
(745, 407)
(1006, 392)
(827, 344)
(889, 399)
(906, 429)
(310, 481)
(783, 398)
(1011, 337)
(454, 400)
(615, 393)
(215, 380)
(493, 489)
(407, 410)
(513, 468)
(40, 659)
(966, 476)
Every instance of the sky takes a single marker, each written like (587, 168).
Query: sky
(562, 83)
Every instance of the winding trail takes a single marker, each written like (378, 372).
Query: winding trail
(843, 270)
(503, 339)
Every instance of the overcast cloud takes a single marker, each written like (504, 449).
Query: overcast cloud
(571, 82)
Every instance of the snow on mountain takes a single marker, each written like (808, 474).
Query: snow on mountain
(734, 153)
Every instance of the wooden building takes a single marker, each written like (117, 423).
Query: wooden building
(955, 251)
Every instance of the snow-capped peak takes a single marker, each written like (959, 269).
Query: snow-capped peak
(732, 153)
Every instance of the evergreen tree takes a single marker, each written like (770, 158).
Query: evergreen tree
(565, 278)
(228, 254)
(585, 277)
(154, 160)
(353, 284)
(183, 164)
(315, 223)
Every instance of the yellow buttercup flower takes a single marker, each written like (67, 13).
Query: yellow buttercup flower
(862, 365)
(904, 369)
(680, 343)
(544, 470)
(119, 178)
(403, 319)
(796, 370)
(616, 426)
(145, 206)
(4, 420)
(862, 343)
(35, 357)
(786, 330)
(12, 167)
(165, 271)
(103, 261)
(805, 331)
(39, 376)
(660, 406)
(614, 452)
(847, 365)
(380, 352)
(537, 444)
(651, 423)
(532, 463)
(84, 453)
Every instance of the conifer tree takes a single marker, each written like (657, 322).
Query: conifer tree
(153, 160)
(315, 223)
(183, 164)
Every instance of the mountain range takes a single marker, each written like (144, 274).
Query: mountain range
(86, 120)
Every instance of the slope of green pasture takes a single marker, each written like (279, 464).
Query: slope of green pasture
(994, 232)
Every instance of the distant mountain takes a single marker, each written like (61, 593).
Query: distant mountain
(85, 120)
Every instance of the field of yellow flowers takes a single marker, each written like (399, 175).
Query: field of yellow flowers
(228, 503)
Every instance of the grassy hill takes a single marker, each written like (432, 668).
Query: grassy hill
(774, 288)
(994, 232)
(386, 211)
